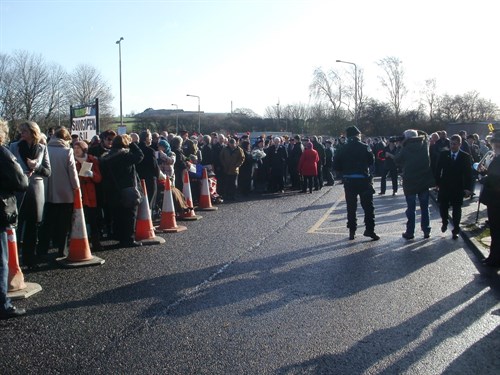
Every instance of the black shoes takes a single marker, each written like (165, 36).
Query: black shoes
(408, 236)
(427, 234)
(352, 234)
(444, 227)
(12, 312)
(454, 236)
(371, 234)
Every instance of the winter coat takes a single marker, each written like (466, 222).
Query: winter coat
(354, 158)
(308, 163)
(30, 203)
(12, 180)
(118, 171)
(88, 183)
(415, 162)
(232, 159)
(64, 177)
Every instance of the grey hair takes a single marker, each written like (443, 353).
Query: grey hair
(410, 133)
(277, 139)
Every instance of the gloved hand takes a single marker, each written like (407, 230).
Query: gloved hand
(89, 174)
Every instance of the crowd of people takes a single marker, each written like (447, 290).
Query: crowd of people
(44, 171)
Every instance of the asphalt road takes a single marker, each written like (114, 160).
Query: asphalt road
(268, 285)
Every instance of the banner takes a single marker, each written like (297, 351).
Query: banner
(84, 121)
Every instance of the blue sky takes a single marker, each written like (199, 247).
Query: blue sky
(254, 53)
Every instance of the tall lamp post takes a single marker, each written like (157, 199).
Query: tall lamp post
(355, 89)
(176, 118)
(119, 42)
(199, 121)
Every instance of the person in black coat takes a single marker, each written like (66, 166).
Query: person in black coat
(453, 177)
(389, 168)
(318, 183)
(118, 170)
(12, 180)
(245, 175)
(293, 162)
(277, 158)
(354, 161)
(148, 169)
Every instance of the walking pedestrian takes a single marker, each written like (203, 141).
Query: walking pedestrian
(454, 181)
(354, 161)
(415, 162)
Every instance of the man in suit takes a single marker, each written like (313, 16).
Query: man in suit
(453, 178)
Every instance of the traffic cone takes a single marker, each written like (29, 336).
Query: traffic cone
(186, 190)
(167, 221)
(79, 248)
(144, 229)
(16, 287)
(205, 203)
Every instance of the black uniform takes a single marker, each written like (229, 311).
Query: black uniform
(354, 161)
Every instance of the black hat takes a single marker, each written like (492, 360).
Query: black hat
(352, 131)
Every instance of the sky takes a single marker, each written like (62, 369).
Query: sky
(254, 54)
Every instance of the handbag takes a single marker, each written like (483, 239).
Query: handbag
(130, 196)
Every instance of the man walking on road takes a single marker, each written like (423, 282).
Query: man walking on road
(354, 161)
(454, 180)
(417, 179)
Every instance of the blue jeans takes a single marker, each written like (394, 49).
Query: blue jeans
(411, 202)
(4, 270)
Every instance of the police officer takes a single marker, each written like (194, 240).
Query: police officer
(354, 161)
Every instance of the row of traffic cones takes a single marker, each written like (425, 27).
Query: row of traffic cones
(79, 248)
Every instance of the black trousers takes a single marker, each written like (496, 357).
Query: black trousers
(445, 202)
(124, 221)
(393, 173)
(56, 226)
(362, 187)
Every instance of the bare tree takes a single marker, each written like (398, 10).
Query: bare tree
(393, 81)
(85, 84)
(327, 87)
(8, 105)
(29, 82)
(430, 95)
(56, 104)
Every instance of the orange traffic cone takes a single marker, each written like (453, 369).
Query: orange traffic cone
(167, 221)
(79, 248)
(17, 288)
(205, 203)
(186, 190)
(144, 230)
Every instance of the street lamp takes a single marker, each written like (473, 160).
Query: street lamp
(355, 89)
(119, 42)
(199, 122)
(176, 118)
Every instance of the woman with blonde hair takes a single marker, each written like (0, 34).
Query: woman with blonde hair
(33, 157)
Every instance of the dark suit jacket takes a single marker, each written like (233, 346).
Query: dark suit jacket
(453, 177)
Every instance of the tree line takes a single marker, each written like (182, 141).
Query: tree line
(33, 89)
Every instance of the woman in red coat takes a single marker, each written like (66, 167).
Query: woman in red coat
(88, 180)
(308, 167)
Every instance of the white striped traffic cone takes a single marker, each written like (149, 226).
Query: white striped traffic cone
(79, 248)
